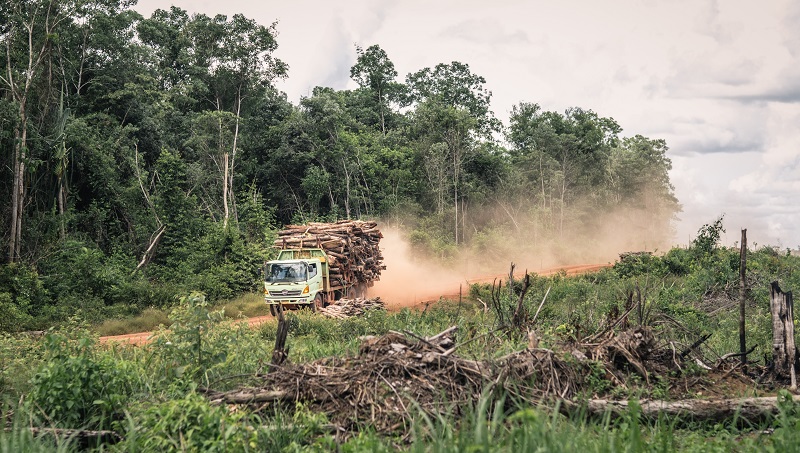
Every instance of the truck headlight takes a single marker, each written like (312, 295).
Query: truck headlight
(305, 290)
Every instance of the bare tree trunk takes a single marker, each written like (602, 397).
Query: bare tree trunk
(346, 188)
(784, 348)
(19, 168)
(226, 210)
(229, 180)
(62, 197)
(148, 254)
(742, 296)
(280, 352)
(455, 204)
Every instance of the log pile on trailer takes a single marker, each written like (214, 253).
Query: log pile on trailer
(352, 247)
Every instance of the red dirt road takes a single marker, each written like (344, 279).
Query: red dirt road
(144, 337)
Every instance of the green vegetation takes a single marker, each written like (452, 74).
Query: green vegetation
(153, 157)
(151, 161)
(152, 395)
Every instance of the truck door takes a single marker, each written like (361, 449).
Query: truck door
(314, 282)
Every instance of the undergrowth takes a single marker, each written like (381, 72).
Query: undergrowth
(152, 395)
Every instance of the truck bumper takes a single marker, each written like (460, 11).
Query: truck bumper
(302, 301)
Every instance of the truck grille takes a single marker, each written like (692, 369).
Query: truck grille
(285, 292)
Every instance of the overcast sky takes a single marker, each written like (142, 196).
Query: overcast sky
(718, 80)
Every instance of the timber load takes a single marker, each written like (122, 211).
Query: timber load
(352, 248)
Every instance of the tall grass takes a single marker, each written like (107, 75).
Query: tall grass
(247, 305)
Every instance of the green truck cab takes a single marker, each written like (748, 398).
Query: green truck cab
(301, 278)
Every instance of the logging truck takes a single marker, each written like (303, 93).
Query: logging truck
(320, 263)
(301, 278)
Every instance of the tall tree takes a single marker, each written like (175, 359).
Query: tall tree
(375, 71)
(639, 179)
(452, 109)
(238, 54)
(28, 37)
(456, 86)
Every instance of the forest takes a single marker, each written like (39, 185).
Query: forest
(148, 157)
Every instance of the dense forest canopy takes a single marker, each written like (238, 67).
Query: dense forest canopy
(147, 156)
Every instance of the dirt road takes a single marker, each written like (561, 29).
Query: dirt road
(417, 301)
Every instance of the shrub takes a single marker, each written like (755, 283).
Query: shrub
(21, 296)
(78, 387)
(201, 346)
(190, 424)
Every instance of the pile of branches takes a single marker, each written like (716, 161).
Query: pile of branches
(352, 247)
(347, 308)
(547, 374)
(391, 378)
(397, 374)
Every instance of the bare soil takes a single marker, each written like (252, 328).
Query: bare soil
(420, 301)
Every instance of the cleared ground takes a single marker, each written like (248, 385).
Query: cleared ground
(423, 300)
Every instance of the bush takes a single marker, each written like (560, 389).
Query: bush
(78, 387)
(21, 296)
(202, 346)
(190, 423)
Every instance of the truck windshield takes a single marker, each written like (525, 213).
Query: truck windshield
(287, 273)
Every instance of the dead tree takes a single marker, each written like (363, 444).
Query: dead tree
(783, 345)
(280, 351)
(743, 296)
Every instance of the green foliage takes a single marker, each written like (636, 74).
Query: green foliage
(17, 437)
(187, 348)
(190, 423)
(635, 264)
(200, 347)
(708, 238)
(19, 359)
(78, 386)
(22, 296)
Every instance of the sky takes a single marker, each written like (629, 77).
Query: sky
(718, 80)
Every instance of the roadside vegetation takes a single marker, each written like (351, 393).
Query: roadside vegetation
(152, 397)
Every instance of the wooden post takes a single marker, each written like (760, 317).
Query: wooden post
(783, 345)
(742, 296)
(280, 352)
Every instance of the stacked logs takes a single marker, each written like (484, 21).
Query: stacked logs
(348, 308)
(352, 246)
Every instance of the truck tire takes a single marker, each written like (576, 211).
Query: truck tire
(273, 310)
(354, 292)
(318, 303)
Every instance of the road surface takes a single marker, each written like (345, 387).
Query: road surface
(143, 337)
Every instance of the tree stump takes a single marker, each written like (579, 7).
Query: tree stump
(280, 352)
(783, 345)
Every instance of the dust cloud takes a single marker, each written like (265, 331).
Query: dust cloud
(409, 280)
(500, 239)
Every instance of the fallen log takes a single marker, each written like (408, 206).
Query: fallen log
(250, 396)
(750, 409)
